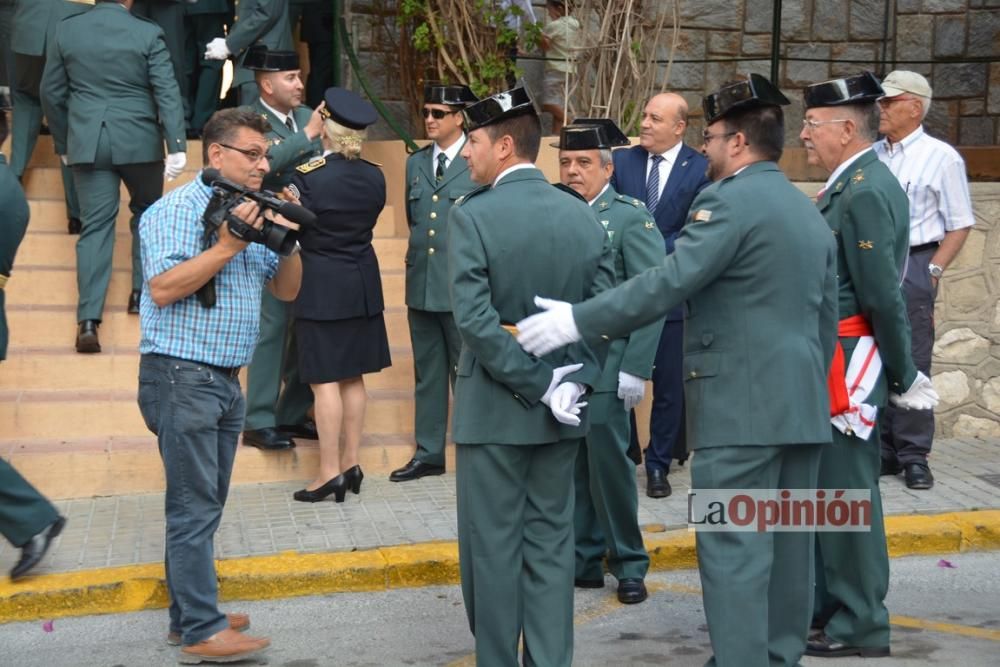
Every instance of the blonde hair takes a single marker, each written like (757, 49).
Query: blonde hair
(341, 139)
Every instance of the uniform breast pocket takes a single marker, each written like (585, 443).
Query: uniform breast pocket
(701, 365)
(416, 193)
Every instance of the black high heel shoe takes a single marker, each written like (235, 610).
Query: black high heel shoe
(354, 476)
(336, 486)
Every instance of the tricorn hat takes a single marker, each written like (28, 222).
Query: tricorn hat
(754, 91)
(856, 89)
(449, 94)
(585, 134)
(508, 104)
(260, 59)
(348, 108)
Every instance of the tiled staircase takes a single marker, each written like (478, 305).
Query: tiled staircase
(70, 422)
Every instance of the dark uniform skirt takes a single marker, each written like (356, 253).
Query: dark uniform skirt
(332, 350)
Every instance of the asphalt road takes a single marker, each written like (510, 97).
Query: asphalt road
(942, 616)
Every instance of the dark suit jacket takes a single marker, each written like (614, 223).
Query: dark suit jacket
(340, 273)
(687, 179)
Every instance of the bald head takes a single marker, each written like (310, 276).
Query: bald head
(663, 122)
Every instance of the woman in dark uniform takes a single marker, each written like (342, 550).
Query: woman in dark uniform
(338, 312)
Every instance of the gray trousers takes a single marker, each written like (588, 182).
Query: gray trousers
(907, 435)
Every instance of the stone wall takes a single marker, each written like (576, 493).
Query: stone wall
(967, 95)
(966, 363)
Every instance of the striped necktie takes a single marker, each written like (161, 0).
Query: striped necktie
(439, 174)
(653, 184)
(289, 123)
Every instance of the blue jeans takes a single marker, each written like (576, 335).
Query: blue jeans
(196, 412)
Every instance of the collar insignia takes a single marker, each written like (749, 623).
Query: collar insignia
(866, 245)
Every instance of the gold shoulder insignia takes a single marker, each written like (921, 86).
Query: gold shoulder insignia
(866, 245)
(603, 205)
(650, 224)
(636, 202)
(264, 116)
(859, 176)
(702, 215)
(312, 165)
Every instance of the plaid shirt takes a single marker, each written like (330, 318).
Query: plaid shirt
(171, 232)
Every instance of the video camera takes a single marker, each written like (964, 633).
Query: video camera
(226, 195)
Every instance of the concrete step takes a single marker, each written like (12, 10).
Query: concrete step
(37, 330)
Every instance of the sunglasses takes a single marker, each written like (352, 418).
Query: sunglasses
(438, 113)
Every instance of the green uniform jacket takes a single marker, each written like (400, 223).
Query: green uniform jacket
(258, 22)
(505, 244)
(288, 149)
(14, 215)
(757, 266)
(35, 23)
(427, 206)
(636, 245)
(869, 214)
(123, 80)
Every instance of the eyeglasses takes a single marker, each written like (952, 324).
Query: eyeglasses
(707, 137)
(889, 101)
(252, 154)
(438, 113)
(810, 124)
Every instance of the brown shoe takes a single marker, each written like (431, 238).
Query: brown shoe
(225, 646)
(238, 622)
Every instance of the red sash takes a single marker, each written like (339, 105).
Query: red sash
(851, 327)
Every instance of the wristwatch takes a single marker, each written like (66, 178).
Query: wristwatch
(936, 271)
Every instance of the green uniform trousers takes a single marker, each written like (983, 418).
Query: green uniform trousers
(24, 512)
(515, 543)
(757, 588)
(99, 186)
(607, 502)
(436, 344)
(204, 77)
(276, 358)
(852, 568)
(26, 123)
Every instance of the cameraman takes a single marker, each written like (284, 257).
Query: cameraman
(189, 390)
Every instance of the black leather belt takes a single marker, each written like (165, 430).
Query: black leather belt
(923, 247)
(228, 372)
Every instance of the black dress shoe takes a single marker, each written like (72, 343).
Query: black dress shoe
(267, 438)
(657, 485)
(918, 476)
(336, 486)
(86, 337)
(824, 647)
(33, 552)
(354, 475)
(589, 583)
(133, 302)
(74, 225)
(889, 468)
(305, 430)
(415, 470)
(632, 591)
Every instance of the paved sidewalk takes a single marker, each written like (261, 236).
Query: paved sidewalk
(262, 519)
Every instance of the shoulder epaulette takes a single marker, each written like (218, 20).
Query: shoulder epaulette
(312, 165)
(631, 201)
(469, 195)
(569, 190)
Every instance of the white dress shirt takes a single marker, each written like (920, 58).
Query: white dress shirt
(933, 175)
(281, 116)
(669, 158)
(449, 152)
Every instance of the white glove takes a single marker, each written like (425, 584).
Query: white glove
(631, 389)
(543, 332)
(565, 407)
(920, 395)
(64, 160)
(217, 49)
(174, 165)
(557, 376)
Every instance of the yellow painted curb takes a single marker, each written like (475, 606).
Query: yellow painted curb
(288, 574)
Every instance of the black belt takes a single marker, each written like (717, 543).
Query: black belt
(923, 247)
(228, 372)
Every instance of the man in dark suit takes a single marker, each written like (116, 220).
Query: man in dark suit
(110, 123)
(27, 519)
(436, 177)
(665, 174)
(517, 424)
(757, 344)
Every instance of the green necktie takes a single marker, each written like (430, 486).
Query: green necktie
(439, 174)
